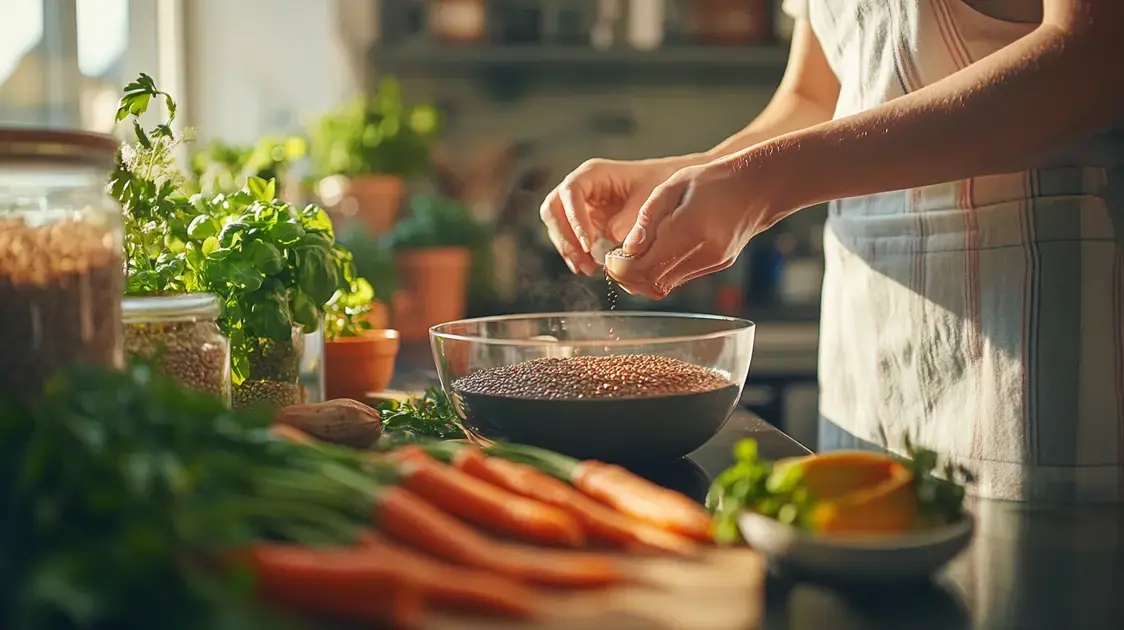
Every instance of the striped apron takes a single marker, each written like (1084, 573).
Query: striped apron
(983, 317)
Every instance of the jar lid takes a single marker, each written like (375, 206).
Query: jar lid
(159, 308)
(55, 146)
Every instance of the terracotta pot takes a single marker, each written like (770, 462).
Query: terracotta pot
(357, 366)
(376, 199)
(435, 281)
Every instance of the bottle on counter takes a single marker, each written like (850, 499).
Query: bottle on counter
(646, 24)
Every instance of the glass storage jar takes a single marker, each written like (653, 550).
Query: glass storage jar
(275, 373)
(180, 334)
(61, 271)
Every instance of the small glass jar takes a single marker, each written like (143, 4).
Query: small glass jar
(61, 270)
(275, 373)
(181, 335)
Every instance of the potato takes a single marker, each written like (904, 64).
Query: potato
(341, 421)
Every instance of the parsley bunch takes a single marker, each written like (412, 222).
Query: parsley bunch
(124, 493)
(273, 266)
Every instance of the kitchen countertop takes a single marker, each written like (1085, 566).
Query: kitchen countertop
(1048, 567)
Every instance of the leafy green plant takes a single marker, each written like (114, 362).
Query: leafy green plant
(225, 168)
(431, 416)
(345, 314)
(274, 267)
(379, 134)
(436, 221)
(124, 494)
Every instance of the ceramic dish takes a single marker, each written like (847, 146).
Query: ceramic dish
(911, 557)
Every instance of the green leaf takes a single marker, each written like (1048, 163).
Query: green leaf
(270, 318)
(286, 232)
(210, 244)
(264, 191)
(317, 276)
(141, 137)
(313, 217)
(219, 254)
(264, 256)
(231, 233)
(203, 227)
(243, 275)
(304, 311)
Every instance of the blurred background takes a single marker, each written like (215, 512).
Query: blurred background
(432, 130)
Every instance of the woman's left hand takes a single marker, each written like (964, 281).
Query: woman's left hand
(695, 223)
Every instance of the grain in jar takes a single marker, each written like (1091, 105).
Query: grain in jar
(180, 335)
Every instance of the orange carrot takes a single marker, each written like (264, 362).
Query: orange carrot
(291, 434)
(454, 587)
(599, 521)
(483, 504)
(407, 518)
(642, 499)
(338, 583)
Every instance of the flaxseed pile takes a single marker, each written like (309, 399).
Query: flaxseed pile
(60, 301)
(619, 376)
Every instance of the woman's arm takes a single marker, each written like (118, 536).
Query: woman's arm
(1063, 81)
(806, 97)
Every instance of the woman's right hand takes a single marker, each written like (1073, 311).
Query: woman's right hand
(602, 198)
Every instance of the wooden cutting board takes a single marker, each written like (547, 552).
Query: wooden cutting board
(722, 590)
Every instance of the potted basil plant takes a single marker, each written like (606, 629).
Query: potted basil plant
(358, 358)
(273, 266)
(433, 248)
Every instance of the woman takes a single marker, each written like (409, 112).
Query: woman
(973, 154)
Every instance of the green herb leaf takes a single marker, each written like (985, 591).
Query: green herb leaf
(264, 191)
(264, 257)
(203, 227)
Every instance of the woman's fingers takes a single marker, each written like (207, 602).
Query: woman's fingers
(664, 199)
(689, 269)
(562, 236)
(577, 214)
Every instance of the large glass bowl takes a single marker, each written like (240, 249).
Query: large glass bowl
(633, 429)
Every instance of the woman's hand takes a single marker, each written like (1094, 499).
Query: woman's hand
(695, 223)
(601, 198)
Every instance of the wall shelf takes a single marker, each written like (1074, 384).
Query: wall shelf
(436, 58)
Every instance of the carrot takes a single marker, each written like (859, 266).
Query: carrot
(338, 583)
(407, 518)
(642, 499)
(628, 493)
(483, 504)
(291, 434)
(459, 588)
(599, 521)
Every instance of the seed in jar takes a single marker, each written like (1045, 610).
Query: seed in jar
(618, 376)
(193, 353)
(60, 301)
(251, 393)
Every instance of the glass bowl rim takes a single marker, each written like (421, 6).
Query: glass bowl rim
(741, 325)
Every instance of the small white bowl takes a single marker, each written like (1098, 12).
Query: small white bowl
(910, 557)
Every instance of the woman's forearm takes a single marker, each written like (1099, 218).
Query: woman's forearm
(786, 113)
(1004, 113)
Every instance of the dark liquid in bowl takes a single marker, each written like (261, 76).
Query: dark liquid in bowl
(622, 430)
